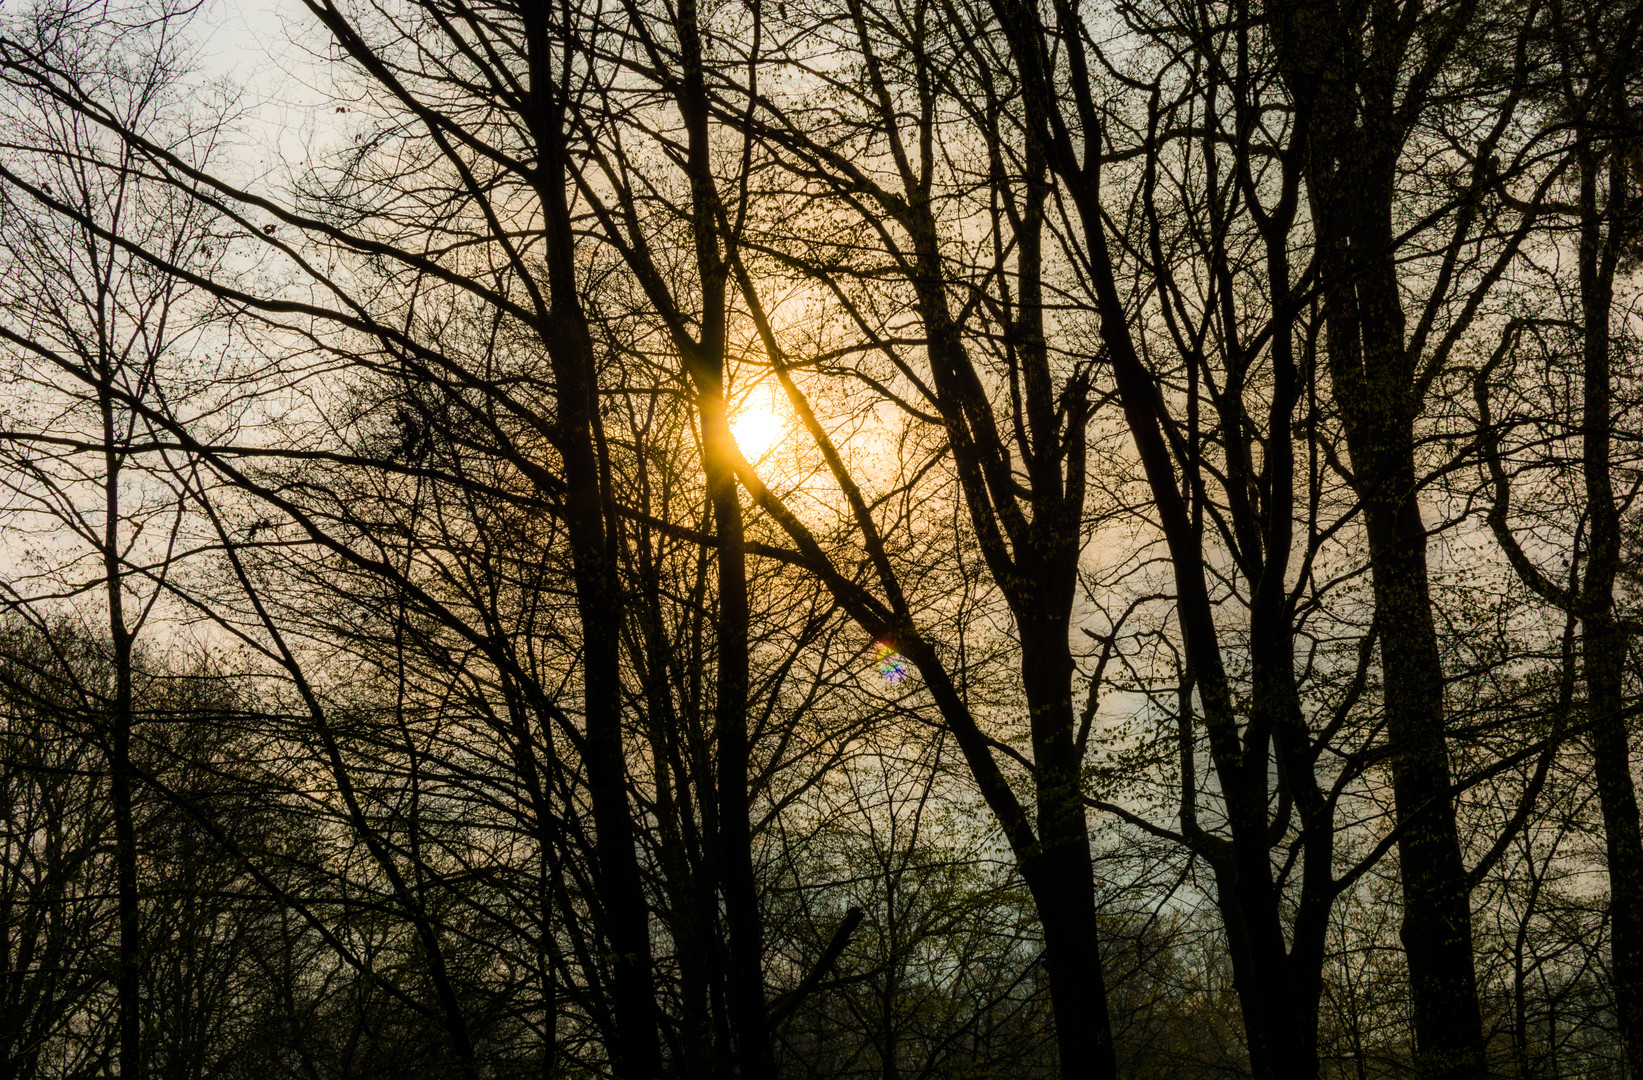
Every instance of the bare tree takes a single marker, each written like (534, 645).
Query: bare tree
(91, 329)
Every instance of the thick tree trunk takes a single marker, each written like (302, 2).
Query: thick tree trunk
(1282, 1046)
(1373, 382)
(1373, 385)
(1059, 873)
(1355, 131)
(1078, 995)
(1604, 649)
(1039, 578)
(1437, 920)
(1040, 593)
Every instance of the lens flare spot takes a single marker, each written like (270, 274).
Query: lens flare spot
(892, 665)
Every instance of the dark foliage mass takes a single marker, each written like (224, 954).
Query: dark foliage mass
(816, 539)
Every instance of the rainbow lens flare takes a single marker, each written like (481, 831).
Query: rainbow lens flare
(892, 665)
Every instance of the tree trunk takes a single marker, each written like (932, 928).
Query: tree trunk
(636, 1052)
(129, 969)
(1060, 874)
(1373, 384)
(1343, 85)
(1604, 640)
(705, 363)
(734, 854)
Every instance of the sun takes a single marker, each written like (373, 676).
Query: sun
(756, 423)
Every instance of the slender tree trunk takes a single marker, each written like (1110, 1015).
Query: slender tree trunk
(705, 360)
(599, 607)
(12, 963)
(1278, 993)
(593, 535)
(1604, 640)
(129, 968)
(889, 1036)
(691, 919)
(125, 840)
(1280, 1046)
(1276, 699)
(734, 857)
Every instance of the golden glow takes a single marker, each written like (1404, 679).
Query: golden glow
(756, 422)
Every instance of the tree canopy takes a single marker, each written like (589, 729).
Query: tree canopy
(940, 538)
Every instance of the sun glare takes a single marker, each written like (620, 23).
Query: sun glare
(756, 423)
